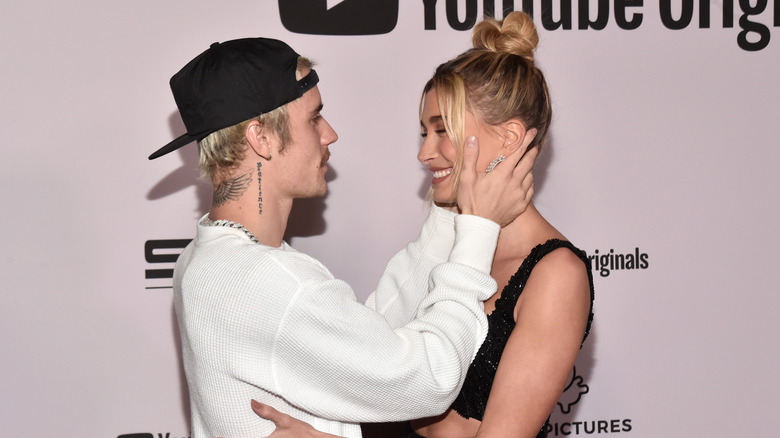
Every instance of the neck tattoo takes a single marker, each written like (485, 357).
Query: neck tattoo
(259, 188)
(232, 189)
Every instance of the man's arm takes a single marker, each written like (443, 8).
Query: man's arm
(340, 360)
(404, 282)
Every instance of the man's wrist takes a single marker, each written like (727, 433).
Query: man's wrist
(475, 242)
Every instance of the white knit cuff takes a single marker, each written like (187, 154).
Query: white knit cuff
(438, 232)
(475, 242)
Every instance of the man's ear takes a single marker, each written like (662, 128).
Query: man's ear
(516, 136)
(258, 139)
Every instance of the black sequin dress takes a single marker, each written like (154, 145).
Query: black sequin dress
(473, 397)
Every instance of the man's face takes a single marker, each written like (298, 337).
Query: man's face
(303, 159)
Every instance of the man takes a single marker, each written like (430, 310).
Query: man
(259, 320)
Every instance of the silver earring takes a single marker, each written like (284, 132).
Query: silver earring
(494, 163)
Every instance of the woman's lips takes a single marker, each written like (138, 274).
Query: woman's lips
(440, 175)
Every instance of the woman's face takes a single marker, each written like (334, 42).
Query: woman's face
(440, 154)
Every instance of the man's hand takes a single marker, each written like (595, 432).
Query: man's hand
(504, 193)
(287, 426)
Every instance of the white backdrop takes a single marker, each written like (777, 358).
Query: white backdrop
(664, 144)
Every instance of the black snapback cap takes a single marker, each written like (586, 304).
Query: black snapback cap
(232, 82)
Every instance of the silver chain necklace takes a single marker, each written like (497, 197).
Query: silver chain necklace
(226, 223)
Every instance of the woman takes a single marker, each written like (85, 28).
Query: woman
(542, 311)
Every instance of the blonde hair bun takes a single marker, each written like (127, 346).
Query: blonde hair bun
(515, 35)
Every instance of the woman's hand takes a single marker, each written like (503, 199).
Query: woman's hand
(287, 426)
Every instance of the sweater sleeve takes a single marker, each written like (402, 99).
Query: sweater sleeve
(340, 360)
(404, 283)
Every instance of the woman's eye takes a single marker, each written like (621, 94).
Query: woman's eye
(441, 131)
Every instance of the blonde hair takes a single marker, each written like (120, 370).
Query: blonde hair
(222, 151)
(497, 80)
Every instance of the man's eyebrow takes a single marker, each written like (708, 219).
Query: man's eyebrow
(318, 109)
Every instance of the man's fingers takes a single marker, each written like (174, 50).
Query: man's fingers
(515, 157)
(470, 153)
(528, 186)
(526, 162)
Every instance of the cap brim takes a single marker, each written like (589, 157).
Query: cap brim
(172, 146)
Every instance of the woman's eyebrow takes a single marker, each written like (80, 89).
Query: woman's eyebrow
(432, 120)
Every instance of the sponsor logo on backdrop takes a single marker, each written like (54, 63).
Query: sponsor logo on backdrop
(590, 427)
(339, 17)
(572, 395)
(161, 255)
(573, 392)
(606, 262)
(360, 17)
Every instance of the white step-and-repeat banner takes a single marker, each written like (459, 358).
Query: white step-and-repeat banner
(662, 166)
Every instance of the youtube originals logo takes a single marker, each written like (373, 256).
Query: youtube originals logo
(339, 17)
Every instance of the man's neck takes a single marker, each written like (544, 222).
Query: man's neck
(265, 213)
(269, 226)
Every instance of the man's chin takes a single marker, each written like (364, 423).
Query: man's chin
(319, 193)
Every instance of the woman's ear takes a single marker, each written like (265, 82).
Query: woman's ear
(516, 136)
(514, 131)
(258, 139)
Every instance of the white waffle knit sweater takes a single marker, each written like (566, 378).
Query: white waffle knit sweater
(273, 324)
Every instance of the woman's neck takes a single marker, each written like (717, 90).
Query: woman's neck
(517, 239)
